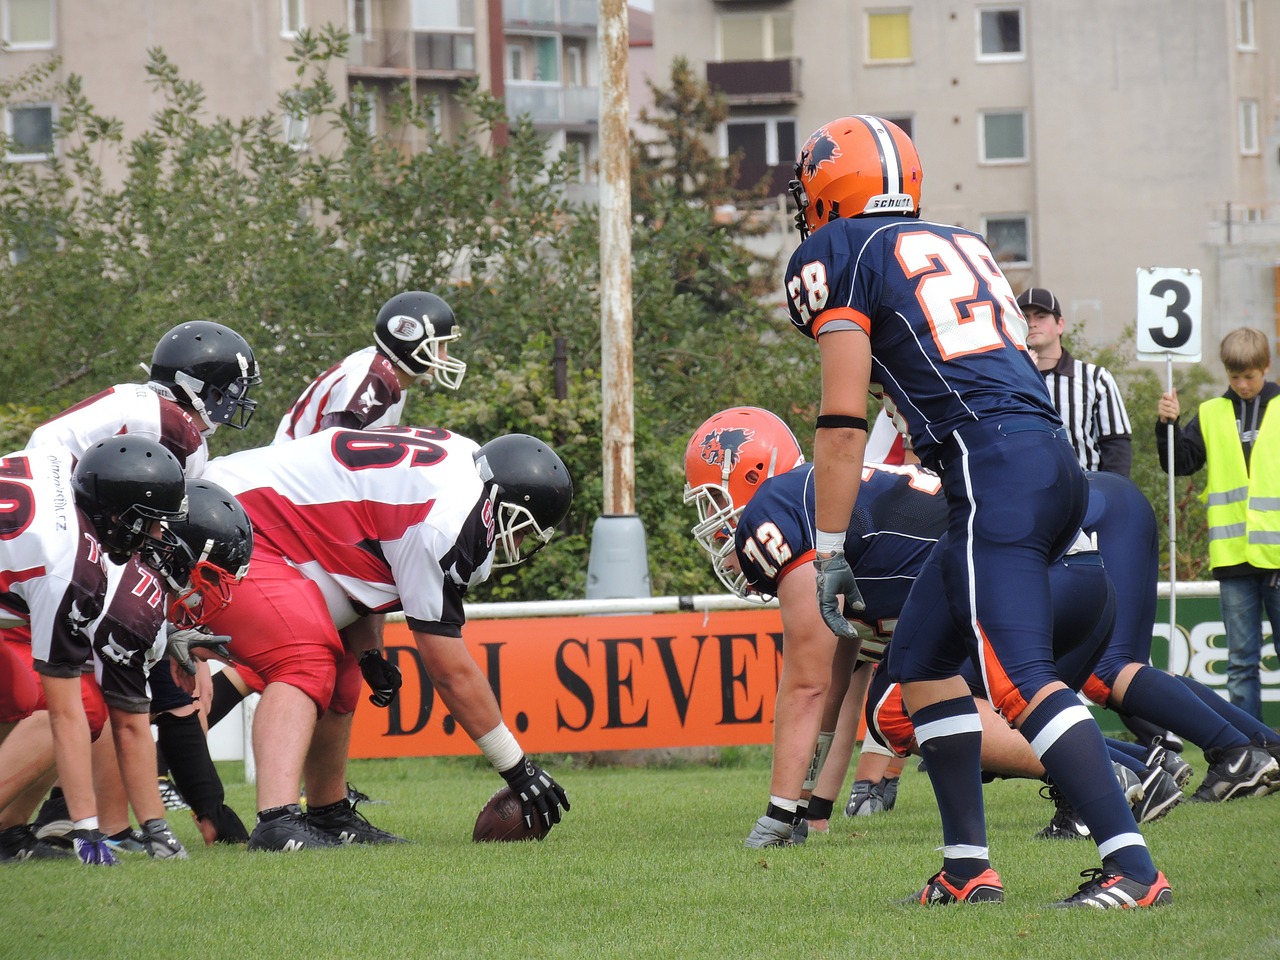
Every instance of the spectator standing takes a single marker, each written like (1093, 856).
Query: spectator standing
(1238, 438)
(1085, 394)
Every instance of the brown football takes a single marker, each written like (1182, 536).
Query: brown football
(500, 820)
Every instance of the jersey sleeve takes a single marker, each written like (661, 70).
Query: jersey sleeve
(775, 532)
(821, 285)
(463, 562)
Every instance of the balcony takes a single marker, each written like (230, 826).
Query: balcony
(445, 54)
(751, 82)
(552, 104)
(384, 53)
(549, 13)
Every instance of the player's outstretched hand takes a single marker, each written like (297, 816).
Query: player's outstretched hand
(383, 678)
(540, 796)
(835, 580)
(182, 642)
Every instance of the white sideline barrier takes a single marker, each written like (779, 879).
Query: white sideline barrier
(232, 738)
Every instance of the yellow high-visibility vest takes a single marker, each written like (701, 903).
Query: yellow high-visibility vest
(1244, 508)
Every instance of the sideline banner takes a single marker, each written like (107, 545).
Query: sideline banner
(649, 681)
(573, 684)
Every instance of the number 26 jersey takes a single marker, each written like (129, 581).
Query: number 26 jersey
(948, 342)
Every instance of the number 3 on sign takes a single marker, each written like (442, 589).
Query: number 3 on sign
(1169, 314)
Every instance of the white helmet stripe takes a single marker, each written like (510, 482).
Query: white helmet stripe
(890, 161)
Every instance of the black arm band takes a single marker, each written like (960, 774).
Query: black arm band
(840, 420)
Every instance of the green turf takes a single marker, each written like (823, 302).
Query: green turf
(649, 863)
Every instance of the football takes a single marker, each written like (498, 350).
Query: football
(500, 820)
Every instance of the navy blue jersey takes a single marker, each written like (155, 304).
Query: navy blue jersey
(948, 341)
(899, 516)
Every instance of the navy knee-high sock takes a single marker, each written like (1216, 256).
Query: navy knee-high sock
(1121, 753)
(950, 738)
(1158, 697)
(1068, 742)
(1243, 721)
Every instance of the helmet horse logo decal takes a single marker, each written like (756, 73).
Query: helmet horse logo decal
(723, 447)
(820, 149)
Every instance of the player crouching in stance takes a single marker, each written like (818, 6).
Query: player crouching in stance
(920, 314)
(354, 523)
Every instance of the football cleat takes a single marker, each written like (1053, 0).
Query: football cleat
(1130, 783)
(127, 841)
(864, 800)
(1065, 825)
(1172, 762)
(170, 795)
(21, 843)
(1112, 891)
(91, 847)
(888, 787)
(160, 843)
(1248, 771)
(344, 823)
(53, 820)
(289, 832)
(941, 890)
(769, 832)
(1161, 794)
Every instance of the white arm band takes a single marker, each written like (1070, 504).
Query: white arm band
(500, 748)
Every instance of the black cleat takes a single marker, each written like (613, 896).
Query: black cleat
(288, 832)
(345, 824)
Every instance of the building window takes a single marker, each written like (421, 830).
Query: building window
(889, 36)
(578, 147)
(1004, 136)
(29, 132)
(1000, 33)
(762, 142)
(27, 24)
(444, 15)
(515, 63)
(1245, 39)
(360, 16)
(293, 17)
(756, 36)
(575, 64)
(1249, 128)
(297, 127)
(1009, 238)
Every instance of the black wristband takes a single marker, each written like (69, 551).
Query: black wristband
(841, 420)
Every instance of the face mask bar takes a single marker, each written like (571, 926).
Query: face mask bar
(446, 371)
(516, 527)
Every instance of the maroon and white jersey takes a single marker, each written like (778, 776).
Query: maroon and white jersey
(52, 572)
(381, 520)
(363, 387)
(133, 408)
(129, 637)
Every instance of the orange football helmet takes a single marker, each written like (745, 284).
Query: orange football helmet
(727, 460)
(852, 167)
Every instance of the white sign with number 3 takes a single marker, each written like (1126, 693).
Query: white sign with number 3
(1169, 314)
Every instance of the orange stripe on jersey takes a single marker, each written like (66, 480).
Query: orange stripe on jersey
(1005, 697)
(1096, 690)
(806, 557)
(841, 313)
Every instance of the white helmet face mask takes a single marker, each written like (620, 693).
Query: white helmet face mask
(714, 532)
(516, 528)
(444, 370)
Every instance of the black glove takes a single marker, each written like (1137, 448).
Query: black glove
(540, 796)
(835, 580)
(382, 677)
(181, 642)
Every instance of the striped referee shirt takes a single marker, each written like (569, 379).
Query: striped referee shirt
(1089, 402)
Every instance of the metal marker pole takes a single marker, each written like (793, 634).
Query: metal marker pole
(1173, 526)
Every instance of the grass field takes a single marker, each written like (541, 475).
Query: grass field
(649, 863)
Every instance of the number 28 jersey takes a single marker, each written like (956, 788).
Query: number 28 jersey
(948, 342)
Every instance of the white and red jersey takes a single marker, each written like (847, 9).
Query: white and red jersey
(52, 573)
(133, 408)
(381, 520)
(363, 389)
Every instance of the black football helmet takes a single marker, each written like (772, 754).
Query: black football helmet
(410, 329)
(215, 542)
(210, 367)
(534, 492)
(124, 485)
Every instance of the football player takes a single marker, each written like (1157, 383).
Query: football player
(920, 314)
(412, 334)
(351, 522)
(66, 518)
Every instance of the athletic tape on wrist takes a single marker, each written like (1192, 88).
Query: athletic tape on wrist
(500, 748)
(826, 542)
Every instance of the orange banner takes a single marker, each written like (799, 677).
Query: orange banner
(573, 684)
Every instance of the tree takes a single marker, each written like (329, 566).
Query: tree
(220, 218)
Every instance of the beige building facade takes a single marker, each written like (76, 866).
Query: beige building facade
(1085, 138)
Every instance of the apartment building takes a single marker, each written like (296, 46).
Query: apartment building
(540, 55)
(1085, 139)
